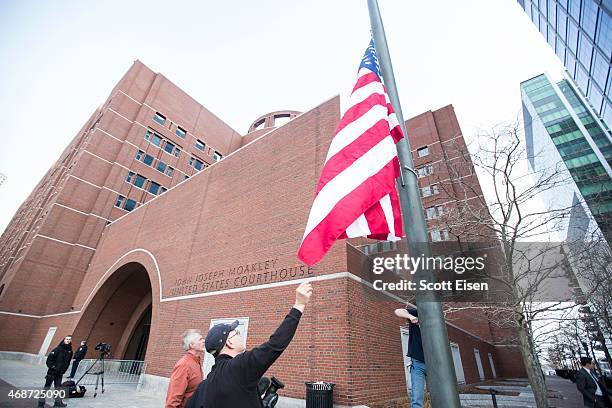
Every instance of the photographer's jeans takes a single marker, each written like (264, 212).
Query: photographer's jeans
(417, 381)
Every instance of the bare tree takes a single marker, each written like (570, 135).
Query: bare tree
(533, 278)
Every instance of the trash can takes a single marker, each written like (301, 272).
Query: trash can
(319, 394)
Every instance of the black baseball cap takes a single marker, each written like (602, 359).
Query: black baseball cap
(217, 336)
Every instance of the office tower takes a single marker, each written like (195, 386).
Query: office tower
(580, 33)
(561, 126)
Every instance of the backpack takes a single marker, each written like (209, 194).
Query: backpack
(197, 399)
(72, 390)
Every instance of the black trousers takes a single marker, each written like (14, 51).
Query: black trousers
(600, 402)
(57, 383)
(75, 365)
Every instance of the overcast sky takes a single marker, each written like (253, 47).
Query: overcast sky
(241, 59)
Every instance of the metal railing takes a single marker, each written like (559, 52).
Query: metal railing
(115, 371)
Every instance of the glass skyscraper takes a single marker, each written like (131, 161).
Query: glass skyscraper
(561, 127)
(580, 33)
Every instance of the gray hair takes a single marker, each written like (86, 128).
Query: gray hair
(190, 336)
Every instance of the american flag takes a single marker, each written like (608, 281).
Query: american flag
(356, 195)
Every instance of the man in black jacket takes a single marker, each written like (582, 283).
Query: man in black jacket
(232, 383)
(78, 356)
(58, 362)
(594, 393)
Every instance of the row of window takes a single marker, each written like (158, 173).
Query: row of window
(159, 166)
(141, 182)
(425, 170)
(429, 190)
(155, 139)
(434, 212)
(439, 235)
(161, 119)
(197, 163)
(126, 203)
(162, 143)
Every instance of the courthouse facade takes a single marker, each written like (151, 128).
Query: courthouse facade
(159, 217)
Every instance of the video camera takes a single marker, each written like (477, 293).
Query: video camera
(104, 348)
(270, 395)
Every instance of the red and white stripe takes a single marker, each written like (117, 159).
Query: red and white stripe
(356, 195)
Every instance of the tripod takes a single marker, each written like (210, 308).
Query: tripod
(98, 374)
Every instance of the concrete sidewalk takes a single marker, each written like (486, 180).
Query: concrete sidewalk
(24, 375)
(571, 397)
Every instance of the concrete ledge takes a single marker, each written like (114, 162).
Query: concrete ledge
(20, 356)
(154, 384)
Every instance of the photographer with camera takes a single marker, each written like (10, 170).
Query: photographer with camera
(233, 381)
(58, 362)
(78, 356)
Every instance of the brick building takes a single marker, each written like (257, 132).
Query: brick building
(160, 217)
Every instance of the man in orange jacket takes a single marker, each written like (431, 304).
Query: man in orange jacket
(187, 373)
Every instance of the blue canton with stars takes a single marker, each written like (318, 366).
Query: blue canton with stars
(370, 60)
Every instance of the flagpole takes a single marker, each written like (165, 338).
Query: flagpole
(441, 379)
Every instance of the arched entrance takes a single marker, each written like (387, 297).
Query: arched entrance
(138, 340)
(119, 314)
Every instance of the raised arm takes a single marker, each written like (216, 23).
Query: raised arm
(405, 314)
(254, 363)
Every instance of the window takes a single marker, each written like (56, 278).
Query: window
(119, 201)
(196, 164)
(180, 132)
(177, 152)
(425, 170)
(434, 212)
(585, 51)
(153, 138)
(439, 235)
(148, 160)
(169, 147)
(162, 190)
(426, 191)
(423, 151)
(159, 118)
(129, 204)
(170, 171)
(156, 140)
(430, 213)
(139, 181)
(217, 156)
(139, 155)
(186, 177)
(200, 144)
(429, 190)
(130, 176)
(154, 188)
(161, 166)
